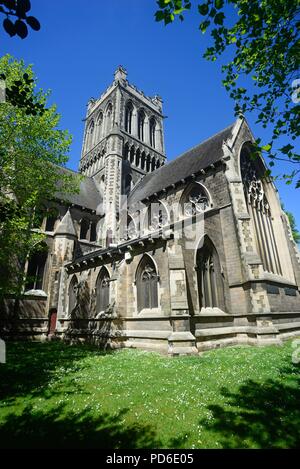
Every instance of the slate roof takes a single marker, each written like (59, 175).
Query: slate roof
(89, 195)
(197, 158)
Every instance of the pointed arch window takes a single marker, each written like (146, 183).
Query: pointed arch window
(141, 125)
(36, 269)
(99, 126)
(84, 228)
(195, 200)
(90, 135)
(128, 117)
(103, 290)
(147, 284)
(209, 278)
(109, 112)
(259, 211)
(72, 294)
(152, 131)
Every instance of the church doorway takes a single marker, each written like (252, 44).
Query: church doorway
(52, 321)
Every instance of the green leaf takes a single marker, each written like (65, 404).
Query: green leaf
(219, 4)
(204, 25)
(266, 147)
(203, 9)
(159, 15)
(219, 18)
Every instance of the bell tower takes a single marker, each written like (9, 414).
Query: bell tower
(123, 141)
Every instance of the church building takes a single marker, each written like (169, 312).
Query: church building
(178, 256)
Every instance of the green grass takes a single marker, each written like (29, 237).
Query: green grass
(53, 395)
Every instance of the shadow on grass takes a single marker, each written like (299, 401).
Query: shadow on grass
(30, 365)
(55, 429)
(29, 369)
(260, 415)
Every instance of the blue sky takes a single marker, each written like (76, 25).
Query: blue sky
(82, 42)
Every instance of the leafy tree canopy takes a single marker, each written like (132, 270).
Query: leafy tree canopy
(263, 38)
(32, 151)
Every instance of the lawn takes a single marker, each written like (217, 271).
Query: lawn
(54, 395)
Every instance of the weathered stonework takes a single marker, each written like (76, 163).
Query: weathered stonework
(194, 277)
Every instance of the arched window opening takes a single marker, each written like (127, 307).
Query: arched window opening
(148, 163)
(259, 211)
(72, 293)
(102, 290)
(126, 151)
(141, 125)
(132, 155)
(157, 216)
(84, 228)
(195, 201)
(109, 112)
(210, 282)
(147, 285)
(137, 158)
(93, 236)
(90, 135)
(153, 164)
(157, 164)
(99, 127)
(36, 270)
(152, 132)
(143, 161)
(50, 223)
(128, 117)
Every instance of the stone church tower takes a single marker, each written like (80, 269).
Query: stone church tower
(206, 258)
(123, 141)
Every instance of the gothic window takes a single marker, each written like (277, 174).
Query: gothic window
(128, 117)
(126, 151)
(72, 293)
(152, 126)
(148, 163)
(99, 126)
(132, 154)
(50, 223)
(259, 211)
(141, 125)
(153, 164)
(137, 158)
(143, 161)
(157, 216)
(109, 118)
(102, 290)
(147, 284)
(210, 282)
(36, 269)
(90, 135)
(195, 201)
(93, 235)
(84, 228)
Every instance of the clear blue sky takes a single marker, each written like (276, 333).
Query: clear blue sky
(82, 42)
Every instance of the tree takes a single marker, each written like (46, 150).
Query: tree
(18, 9)
(294, 229)
(263, 39)
(32, 152)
